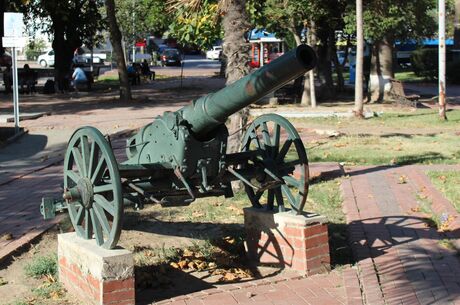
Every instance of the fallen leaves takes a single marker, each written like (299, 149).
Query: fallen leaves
(6, 236)
(402, 179)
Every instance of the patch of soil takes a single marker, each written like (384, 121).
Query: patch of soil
(15, 286)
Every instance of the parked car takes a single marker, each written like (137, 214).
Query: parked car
(170, 57)
(5, 60)
(83, 56)
(46, 59)
(214, 53)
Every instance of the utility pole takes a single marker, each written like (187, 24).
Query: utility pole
(134, 32)
(442, 59)
(359, 60)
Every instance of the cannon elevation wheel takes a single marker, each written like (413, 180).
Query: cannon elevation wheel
(93, 187)
(281, 164)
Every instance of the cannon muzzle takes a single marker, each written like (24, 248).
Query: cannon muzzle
(210, 111)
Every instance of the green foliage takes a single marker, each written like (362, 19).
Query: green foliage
(35, 48)
(201, 27)
(49, 290)
(141, 18)
(424, 63)
(395, 19)
(452, 72)
(447, 182)
(42, 266)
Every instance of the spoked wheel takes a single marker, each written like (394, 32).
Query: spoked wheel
(93, 187)
(281, 164)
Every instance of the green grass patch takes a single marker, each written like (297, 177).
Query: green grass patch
(408, 76)
(325, 199)
(390, 121)
(387, 149)
(42, 266)
(47, 290)
(448, 183)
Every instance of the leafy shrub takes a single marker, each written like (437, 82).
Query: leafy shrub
(453, 72)
(41, 266)
(425, 63)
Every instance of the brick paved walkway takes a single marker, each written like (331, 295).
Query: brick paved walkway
(400, 259)
(333, 288)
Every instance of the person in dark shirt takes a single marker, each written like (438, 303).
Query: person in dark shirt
(8, 79)
(145, 69)
(28, 79)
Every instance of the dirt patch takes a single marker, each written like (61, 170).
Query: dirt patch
(18, 288)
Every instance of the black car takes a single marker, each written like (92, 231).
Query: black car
(170, 57)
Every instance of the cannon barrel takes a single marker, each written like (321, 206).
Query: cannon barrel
(212, 110)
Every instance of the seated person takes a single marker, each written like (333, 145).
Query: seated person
(8, 79)
(78, 78)
(134, 73)
(145, 69)
(28, 78)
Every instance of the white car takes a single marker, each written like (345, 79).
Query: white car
(214, 53)
(46, 59)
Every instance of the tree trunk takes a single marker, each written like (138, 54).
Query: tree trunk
(236, 51)
(457, 25)
(115, 39)
(381, 70)
(359, 107)
(325, 69)
(309, 92)
(63, 45)
(335, 60)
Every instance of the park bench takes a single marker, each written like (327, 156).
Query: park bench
(398, 95)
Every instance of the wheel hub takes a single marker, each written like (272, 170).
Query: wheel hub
(83, 191)
(85, 188)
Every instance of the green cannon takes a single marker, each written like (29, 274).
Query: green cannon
(182, 156)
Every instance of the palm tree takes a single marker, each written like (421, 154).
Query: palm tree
(235, 50)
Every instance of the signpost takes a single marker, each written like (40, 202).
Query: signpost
(13, 28)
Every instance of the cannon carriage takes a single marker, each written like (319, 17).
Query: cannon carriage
(182, 156)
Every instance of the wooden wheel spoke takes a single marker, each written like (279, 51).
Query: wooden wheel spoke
(92, 156)
(266, 134)
(105, 204)
(287, 192)
(84, 144)
(270, 199)
(292, 181)
(276, 140)
(279, 197)
(103, 188)
(97, 228)
(79, 161)
(284, 150)
(100, 214)
(80, 215)
(72, 175)
(98, 171)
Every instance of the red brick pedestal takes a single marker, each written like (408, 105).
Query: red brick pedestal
(298, 242)
(95, 275)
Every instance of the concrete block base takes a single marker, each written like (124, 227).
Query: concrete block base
(298, 242)
(95, 275)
